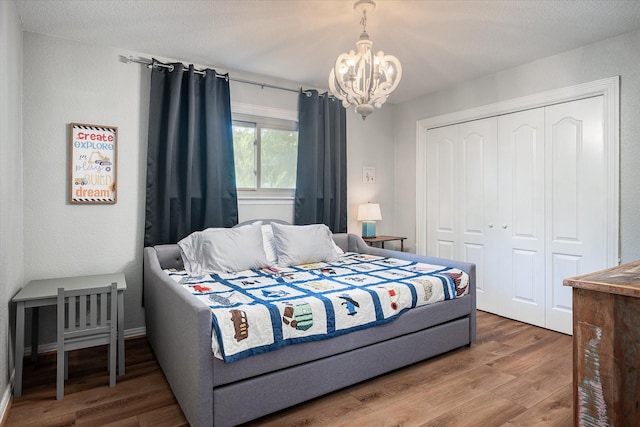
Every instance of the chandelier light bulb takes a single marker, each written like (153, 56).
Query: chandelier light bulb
(361, 79)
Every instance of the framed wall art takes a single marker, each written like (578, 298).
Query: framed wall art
(93, 163)
(369, 175)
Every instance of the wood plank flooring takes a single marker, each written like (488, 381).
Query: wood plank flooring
(514, 375)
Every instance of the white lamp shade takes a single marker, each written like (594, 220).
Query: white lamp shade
(369, 212)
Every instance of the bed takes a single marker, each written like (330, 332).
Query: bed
(212, 392)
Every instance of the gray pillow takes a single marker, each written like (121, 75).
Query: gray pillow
(223, 249)
(303, 244)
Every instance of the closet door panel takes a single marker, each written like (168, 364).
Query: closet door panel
(443, 206)
(562, 267)
(445, 249)
(525, 279)
(473, 191)
(524, 171)
(576, 206)
(521, 215)
(566, 152)
(477, 203)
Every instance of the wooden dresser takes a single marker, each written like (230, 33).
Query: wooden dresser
(606, 346)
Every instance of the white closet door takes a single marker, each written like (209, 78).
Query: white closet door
(520, 225)
(442, 184)
(527, 197)
(476, 201)
(576, 200)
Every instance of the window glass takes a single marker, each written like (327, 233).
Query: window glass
(244, 139)
(278, 157)
(266, 152)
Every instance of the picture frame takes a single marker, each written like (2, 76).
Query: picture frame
(93, 164)
(369, 175)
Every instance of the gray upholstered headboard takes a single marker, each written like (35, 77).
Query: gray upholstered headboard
(169, 256)
(264, 221)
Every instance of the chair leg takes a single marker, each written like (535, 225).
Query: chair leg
(112, 365)
(66, 365)
(60, 373)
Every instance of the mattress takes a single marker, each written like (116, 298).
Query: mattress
(258, 311)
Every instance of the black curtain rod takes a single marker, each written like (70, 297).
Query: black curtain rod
(149, 63)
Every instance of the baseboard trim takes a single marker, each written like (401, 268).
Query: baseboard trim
(135, 333)
(5, 403)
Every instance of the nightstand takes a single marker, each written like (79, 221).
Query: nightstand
(381, 239)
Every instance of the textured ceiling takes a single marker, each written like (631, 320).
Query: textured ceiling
(439, 42)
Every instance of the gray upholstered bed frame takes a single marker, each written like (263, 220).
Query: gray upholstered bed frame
(211, 392)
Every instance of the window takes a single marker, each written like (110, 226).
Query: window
(266, 152)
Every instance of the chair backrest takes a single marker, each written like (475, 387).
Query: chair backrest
(87, 316)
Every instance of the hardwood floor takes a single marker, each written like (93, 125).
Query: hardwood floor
(141, 397)
(514, 375)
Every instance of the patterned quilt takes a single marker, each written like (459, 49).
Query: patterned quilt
(255, 311)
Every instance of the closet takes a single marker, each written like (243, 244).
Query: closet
(524, 196)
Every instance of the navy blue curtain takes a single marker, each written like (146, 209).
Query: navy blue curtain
(191, 182)
(321, 181)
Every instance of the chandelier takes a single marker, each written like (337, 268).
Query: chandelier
(360, 78)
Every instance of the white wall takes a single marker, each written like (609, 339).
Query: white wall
(11, 222)
(616, 56)
(370, 144)
(66, 81)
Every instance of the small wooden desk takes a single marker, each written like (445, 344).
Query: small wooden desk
(382, 239)
(606, 344)
(40, 293)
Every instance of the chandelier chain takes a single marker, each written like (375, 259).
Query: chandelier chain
(363, 21)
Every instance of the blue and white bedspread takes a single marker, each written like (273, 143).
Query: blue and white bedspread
(255, 311)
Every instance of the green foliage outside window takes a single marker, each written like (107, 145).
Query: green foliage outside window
(278, 158)
(244, 154)
(265, 155)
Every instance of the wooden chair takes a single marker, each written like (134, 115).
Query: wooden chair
(86, 318)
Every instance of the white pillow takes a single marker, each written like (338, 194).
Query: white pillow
(336, 247)
(269, 243)
(224, 249)
(303, 244)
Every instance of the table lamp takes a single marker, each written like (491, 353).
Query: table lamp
(369, 213)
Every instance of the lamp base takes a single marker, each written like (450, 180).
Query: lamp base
(368, 229)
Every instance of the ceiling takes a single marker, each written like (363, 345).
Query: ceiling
(440, 43)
